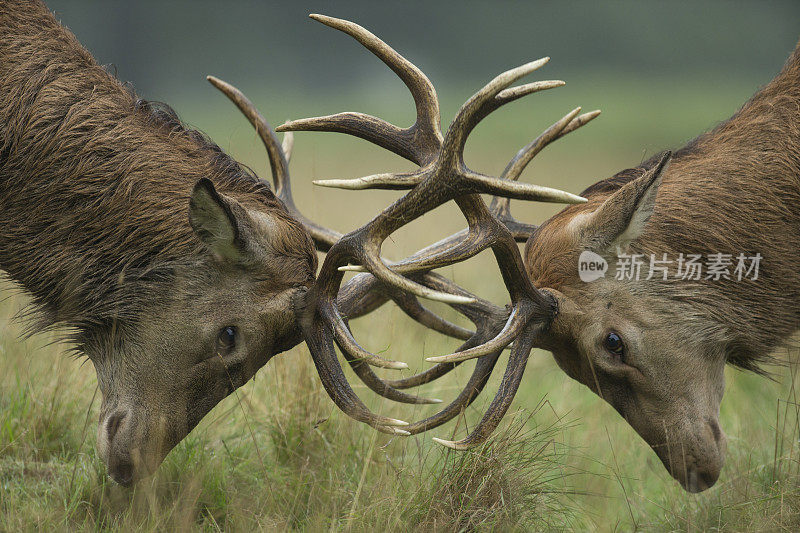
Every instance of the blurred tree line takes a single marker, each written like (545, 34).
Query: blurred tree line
(167, 47)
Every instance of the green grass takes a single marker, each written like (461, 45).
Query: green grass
(279, 455)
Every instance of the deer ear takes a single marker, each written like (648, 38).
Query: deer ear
(217, 220)
(623, 216)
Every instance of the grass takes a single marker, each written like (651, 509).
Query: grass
(263, 459)
(278, 455)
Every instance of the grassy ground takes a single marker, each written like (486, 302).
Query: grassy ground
(277, 454)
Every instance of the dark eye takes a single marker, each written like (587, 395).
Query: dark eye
(226, 340)
(613, 343)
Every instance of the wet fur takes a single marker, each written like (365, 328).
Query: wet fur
(95, 184)
(734, 189)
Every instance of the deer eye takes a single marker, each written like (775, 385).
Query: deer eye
(613, 343)
(226, 340)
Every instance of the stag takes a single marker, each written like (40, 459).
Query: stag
(179, 273)
(654, 347)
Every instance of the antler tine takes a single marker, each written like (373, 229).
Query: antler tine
(333, 380)
(367, 127)
(568, 123)
(481, 312)
(488, 319)
(411, 307)
(323, 237)
(502, 400)
(501, 207)
(388, 181)
(491, 97)
(358, 297)
(417, 143)
(277, 159)
(478, 379)
(344, 339)
(510, 331)
(381, 387)
(287, 145)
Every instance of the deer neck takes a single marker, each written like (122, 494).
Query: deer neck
(736, 190)
(94, 183)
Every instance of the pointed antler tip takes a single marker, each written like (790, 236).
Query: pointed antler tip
(450, 358)
(353, 185)
(447, 443)
(534, 65)
(322, 18)
(575, 199)
(215, 81)
(446, 297)
(542, 61)
(351, 268)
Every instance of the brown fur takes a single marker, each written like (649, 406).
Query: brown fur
(95, 183)
(733, 190)
(97, 189)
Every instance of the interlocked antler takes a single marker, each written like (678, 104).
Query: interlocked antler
(442, 177)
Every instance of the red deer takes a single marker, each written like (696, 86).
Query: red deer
(179, 273)
(654, 347)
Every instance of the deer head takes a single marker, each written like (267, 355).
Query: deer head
(640, 344)
(224, 314)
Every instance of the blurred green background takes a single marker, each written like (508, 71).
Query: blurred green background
(662, 72)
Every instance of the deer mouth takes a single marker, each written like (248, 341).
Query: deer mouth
(695, 462)
(698, 481)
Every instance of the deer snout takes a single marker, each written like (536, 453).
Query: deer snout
(697, 461)
(130, 450)
(112, 432)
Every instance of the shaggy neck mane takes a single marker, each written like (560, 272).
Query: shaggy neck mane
(94, 182)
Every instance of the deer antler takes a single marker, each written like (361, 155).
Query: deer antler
(279, 156)
(442, 176)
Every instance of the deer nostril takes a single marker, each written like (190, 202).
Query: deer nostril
(113, 423)
(122, 473)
